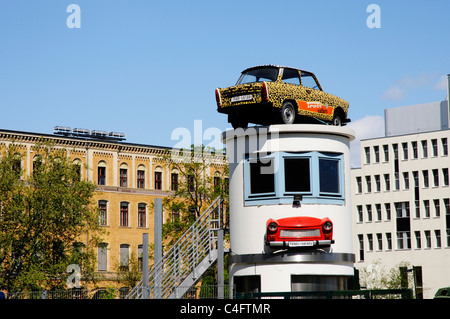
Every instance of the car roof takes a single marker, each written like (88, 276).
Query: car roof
(274, 66)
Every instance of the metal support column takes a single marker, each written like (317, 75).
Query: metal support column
(158, 245)
(145, 267)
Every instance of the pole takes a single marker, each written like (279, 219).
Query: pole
(158, 246)
(220, 280)
(145, 266)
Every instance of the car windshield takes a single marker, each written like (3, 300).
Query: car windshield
(258, 75)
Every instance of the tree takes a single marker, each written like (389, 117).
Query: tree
(194, 189)
(375, 276)
(43, 217)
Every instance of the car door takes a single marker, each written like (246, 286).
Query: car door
(316, 100)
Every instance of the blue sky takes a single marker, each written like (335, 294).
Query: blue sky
(146, 68)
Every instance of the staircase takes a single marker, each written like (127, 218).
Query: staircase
(184, 264)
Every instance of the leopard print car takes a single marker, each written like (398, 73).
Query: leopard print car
(272, 94)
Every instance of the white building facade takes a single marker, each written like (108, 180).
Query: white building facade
(401, 204)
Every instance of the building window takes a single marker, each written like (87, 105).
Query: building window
(369, 213)
(380, 242)
(103, 213)
(124, 214)
(124, 256)
(418, 240)
(387, 182)
(388, 241)
(435, 177)
(158, 180)
(403, 240)
(141, 178)
(370, 241)
(174, 181)
(427, 239)
(414, 148)
(437, 235)
(367, 152)
(444, 146)
(317, 177)
(426, 183)
(142, 215)
(359, 208)
(406, 180)
(437, 209)
(359, 185)
(123, 178)
(445, 175)
(101, 175)
(376, 151)
(377, 183)
(387, 207)
(378, 210)
(368, 184)
(426, 205)
(386, 153)
(434, 146)
(361, 247)
(424, 149)
(102, 257)
(405, 151)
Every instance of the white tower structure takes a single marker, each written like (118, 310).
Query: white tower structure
(290, 172)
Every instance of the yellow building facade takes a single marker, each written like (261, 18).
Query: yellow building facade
(128, 177)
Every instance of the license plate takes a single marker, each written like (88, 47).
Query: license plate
(240, 98)
(301, 243)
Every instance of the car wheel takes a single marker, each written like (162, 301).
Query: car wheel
(288, 113)
(337, 119)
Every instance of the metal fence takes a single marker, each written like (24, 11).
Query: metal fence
(343, 294)
(195, 292)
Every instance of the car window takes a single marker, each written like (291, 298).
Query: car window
(269, 74)
(291, 76)
(309, 81)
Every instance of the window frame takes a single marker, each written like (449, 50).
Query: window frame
(280, 195)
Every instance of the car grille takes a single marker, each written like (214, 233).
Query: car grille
(299, 233)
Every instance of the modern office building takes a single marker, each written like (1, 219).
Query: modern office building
(401, 194)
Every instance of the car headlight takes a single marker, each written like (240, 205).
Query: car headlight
(273, 226)
(327, 226)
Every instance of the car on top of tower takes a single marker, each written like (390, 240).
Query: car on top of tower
(271, 94)
(299, 232)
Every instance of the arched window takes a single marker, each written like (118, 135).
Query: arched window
(101, 173)
(124, 256)
(123, 175)
(124, 214)
(102, 257)
(102, 212)
(158, 177)
(142, 215)
(140, 176)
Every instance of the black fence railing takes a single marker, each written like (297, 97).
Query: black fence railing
(343, 294)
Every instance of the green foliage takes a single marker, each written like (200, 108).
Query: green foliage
(375, 276)
(42, 219)
(196, 189)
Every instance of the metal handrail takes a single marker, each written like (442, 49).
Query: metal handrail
(181, 261)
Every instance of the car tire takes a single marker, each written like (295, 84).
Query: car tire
(288, 113)
(337, 119)
(237, 121)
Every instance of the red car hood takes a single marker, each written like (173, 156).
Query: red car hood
(300, 221)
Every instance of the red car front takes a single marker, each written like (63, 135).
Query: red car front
(298, 232)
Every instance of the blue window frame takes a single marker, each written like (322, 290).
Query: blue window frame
(275, 178)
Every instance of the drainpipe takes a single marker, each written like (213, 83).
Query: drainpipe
(448, 100)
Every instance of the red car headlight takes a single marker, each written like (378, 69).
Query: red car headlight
(273, 227)
(327, 226)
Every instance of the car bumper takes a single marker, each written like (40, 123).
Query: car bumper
(301, 244)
